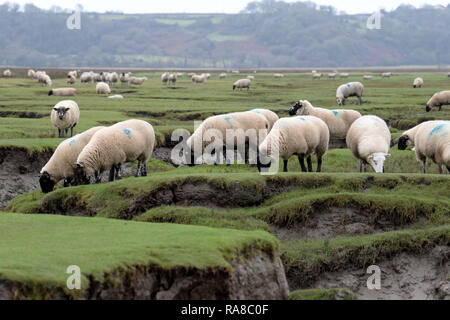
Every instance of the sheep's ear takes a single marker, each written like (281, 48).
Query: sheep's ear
(55, 109)
(67, 109)
(79, 165)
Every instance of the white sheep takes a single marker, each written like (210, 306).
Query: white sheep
(222, 76)
(65, 115)
(31, 74)
(332, 75)
(369, 139)
(172, 79)
(431, 140)
(63, 92)
(338, 121)
(137, 81)
(350, 89)
(71, 80)
(438, 100)
(7, 73)
(242, 84)
(62, 164)
(367, 77)
(271, 116)
(317, 76)
(301, 136)
(86, 77)
(235, 72)
(180, 75)
(45, 79)
(344, 75)
(278, 75)
(386, 74)
(418, 83)
(73, 74)
(165, 77)
(109, 148)
(251, 77)
(198, 79)
(102, 88)
(125, 78)
(96, 77)
(113, 78)
(247, 123)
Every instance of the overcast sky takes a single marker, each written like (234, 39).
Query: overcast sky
(214, 6)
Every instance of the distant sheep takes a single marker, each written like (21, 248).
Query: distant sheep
(301, 136)
(344, 75)
(431, 140)
(332, 75)
(278, 75)
(7, 73)
(165, 78)
(137, 81)
(62, 164)
(242, 84)
(125, 78)
(102, 88)
(222, 76)
(338, 121)
(45, 79)
(110, 148)
(31, 74)
(367, 77)
(369, 139)
(317, 76)
(172, 79)
(72, 74)
(251, 77)
(63, 92)
(198, 79)
(386, 74)
(418, 83)
(350, 89)
(438, 100)
(235, 72)
(86, 77)
(65, 115)
(71, 80)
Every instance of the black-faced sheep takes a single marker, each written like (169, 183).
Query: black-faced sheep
(242, 84)
(438, 100)
(65, 115)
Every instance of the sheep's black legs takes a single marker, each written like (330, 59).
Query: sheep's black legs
(138, 171)
(71, 132)
(360, 100)
(310, 167)
(59, 133)
(424, 166)
(112, 174)
(285, 169)
(98, 177)
(301, 159)
(448, 169)
(144, 169)
(66, 133)
(319, 164)
(441, 171)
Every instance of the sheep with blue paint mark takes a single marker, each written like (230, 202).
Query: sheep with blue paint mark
(125, 142)
(271, 116)
(438, 100)
(338, 121)
(431, 140)
(301, 136)
(63, 162)
(351, 89)
(369, 139)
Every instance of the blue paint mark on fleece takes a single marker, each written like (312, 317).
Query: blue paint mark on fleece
(256, 111)
(72, 142)
(439, 129)
(349, 85)
(228, 119)
(127, 132)
(302, 118)
(336, 113)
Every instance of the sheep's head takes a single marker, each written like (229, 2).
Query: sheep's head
(377, 160)
(340, 100)
(428, 107)
(404, 142)
(295, 109)
(61, 112)
(234, 87)
(46, 182)
(81, 177)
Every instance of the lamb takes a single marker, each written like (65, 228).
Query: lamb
(278, 75)
(369, 139)
(271, 116)
(301, 136)
(226, 124)
(338, 121)
(344, 75)
(222, 76)
(438, 100)
(63, 92)
(242, 84)
(65, 115)
(198, 79)
(125, 142)
(137, 81)
(350, 89)
(386, 74)
(102, 88)
(418, 83)
(7, 73)
(172, 79)
(71, 80)
(431, 140)
(367, 77)
(31, 74)
(62, 164)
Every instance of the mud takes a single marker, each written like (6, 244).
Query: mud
(260, 277)
(404, 277)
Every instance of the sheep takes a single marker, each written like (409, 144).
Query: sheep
(31, 74)
(338, 121)
(45, 79)
(137, 81)
(109, 148)
(222, 76)
(198, 79)
(317, 76)
(86, 77)
(62, 164)
(386, 74)
(65, 115)
(102, 88)
(7, 73)
(172, 79)
(112, 78)
(73, 74)
(96, 77)
(439, 99)
(344, 75)
(369, 139)
(165, 78)
(71, 80)
(278, 75)
(448, 75)
(251, 77)
(301, 136)
(247, 122)
(418, 83)
(332, 75)
(350, 89)
(190, 75)
(207, 75)
(241, 84)
(367, 77)
(125, 78)
(180, 74)
(431, 140)
(63, 92)
(271, 116)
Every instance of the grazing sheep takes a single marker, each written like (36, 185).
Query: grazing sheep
(65, 115)
(301, 136)
(369, 139)
(172, 79)
(31, 74)
(350, 89)
(367, 77)
(251, 77)
(7, 73)
(338, 121)
(222, 76)
(190, 75)
(63, 92)
(418, 83)
(62, 164)
(71, 80)
(86, 77)
(227, 124)
(386, 74)
(109, 148)
(241, 84)
(271, 116)
(317, 76)
(431, 140)
(45, 79)
(198, 79)
(439, 99)
(137, 81)
(344, 75)
(332, 75)
(102, 88)
(278, 75)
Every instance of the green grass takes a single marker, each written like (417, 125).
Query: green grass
(37, 249)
